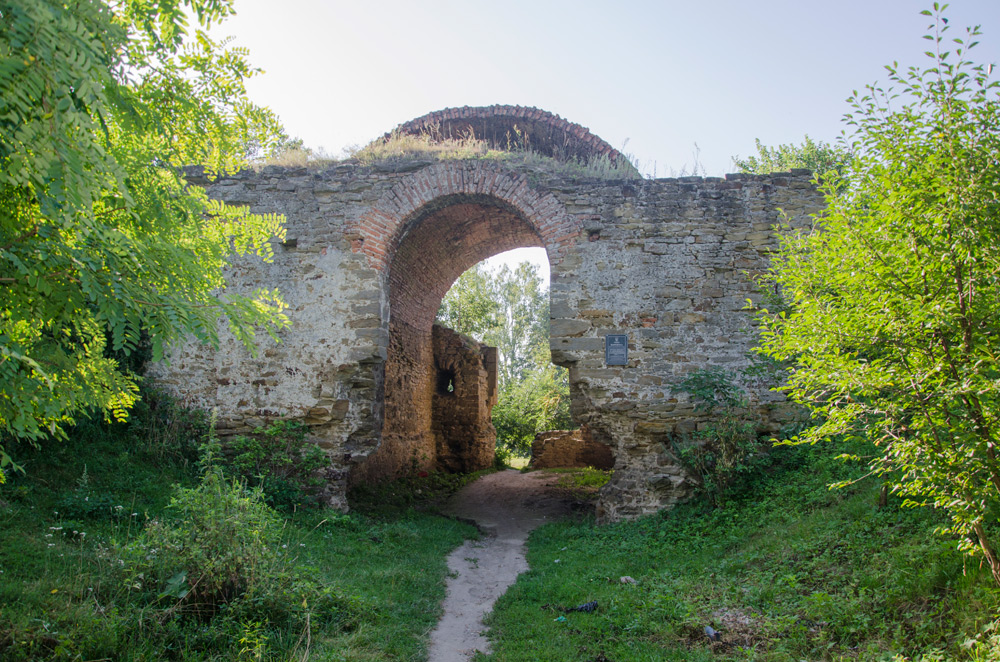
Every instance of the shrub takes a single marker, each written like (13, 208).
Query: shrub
(726, 450)
(280, 461)
(223, 556)
(164, 427)
(535, 404)
(892, 324)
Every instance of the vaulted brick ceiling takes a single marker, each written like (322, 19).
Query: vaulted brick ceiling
(441, 244)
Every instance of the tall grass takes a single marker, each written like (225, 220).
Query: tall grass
(401, 148)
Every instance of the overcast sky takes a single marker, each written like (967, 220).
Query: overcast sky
(653, 79)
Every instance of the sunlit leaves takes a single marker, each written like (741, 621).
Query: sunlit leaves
(894, 295)
(509, 309)
(102, 241)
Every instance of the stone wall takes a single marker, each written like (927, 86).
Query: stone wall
(464, 394)
(569, 448)
(372, 249)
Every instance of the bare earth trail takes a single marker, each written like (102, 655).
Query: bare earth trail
(507, 505)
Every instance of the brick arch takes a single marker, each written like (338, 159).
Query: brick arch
(502, 126)
(442, 241)
(422, 235)
(377, 233)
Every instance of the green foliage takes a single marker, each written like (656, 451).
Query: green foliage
(725, 452)
(102, 241)
(505, 309)
(278, 460)
(76, 584)
(510, 310)
(581, 482)
(820, 157)
(894, 300)
(219, 552)
(538, 403)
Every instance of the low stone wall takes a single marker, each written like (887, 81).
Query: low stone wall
(569, 448)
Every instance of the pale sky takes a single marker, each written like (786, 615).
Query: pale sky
(653, 79)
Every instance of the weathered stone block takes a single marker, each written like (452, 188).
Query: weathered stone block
(568, 327)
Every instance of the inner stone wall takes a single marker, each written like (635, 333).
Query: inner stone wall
(465, 391)
(569, 448)
(666, 262)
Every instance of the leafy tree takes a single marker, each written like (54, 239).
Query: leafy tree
(535, 404)
(509, 309)
(893, 325)
(820, 157)
(470, 306)
(102, 242)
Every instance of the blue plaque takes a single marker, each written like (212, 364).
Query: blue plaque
(616, 349)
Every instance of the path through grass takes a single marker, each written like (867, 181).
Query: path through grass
(792, 571)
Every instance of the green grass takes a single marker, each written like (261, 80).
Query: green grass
(582, 483)
(61, 599)
(790, 571)
(787, 570)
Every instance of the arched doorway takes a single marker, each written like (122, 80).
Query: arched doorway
(423, 244)
(431, 380)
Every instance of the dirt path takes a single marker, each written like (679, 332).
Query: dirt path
(507, 505)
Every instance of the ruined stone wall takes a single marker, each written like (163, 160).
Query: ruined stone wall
(407, 442)
(667, 262)
(569, 448)
(464, 394)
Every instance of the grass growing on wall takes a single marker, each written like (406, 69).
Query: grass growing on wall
(403, 149)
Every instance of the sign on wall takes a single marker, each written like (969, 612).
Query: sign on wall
(616, 349)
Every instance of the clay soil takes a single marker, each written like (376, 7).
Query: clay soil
(506, 506)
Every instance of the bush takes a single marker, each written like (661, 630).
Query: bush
(538, 403)
(223, 556)
(277, 459)
(726, 450)
(892, 321)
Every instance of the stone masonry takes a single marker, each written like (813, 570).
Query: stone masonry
(371, 250)
(464, 394)
(569, 448)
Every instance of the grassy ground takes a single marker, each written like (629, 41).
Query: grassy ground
(60, 600)
(788, 571)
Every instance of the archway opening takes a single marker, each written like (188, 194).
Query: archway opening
(439, 387)
(504, 303)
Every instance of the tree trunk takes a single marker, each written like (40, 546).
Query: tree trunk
(991, 556)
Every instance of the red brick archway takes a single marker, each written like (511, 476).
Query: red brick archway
(422, 235)
(378, 232)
